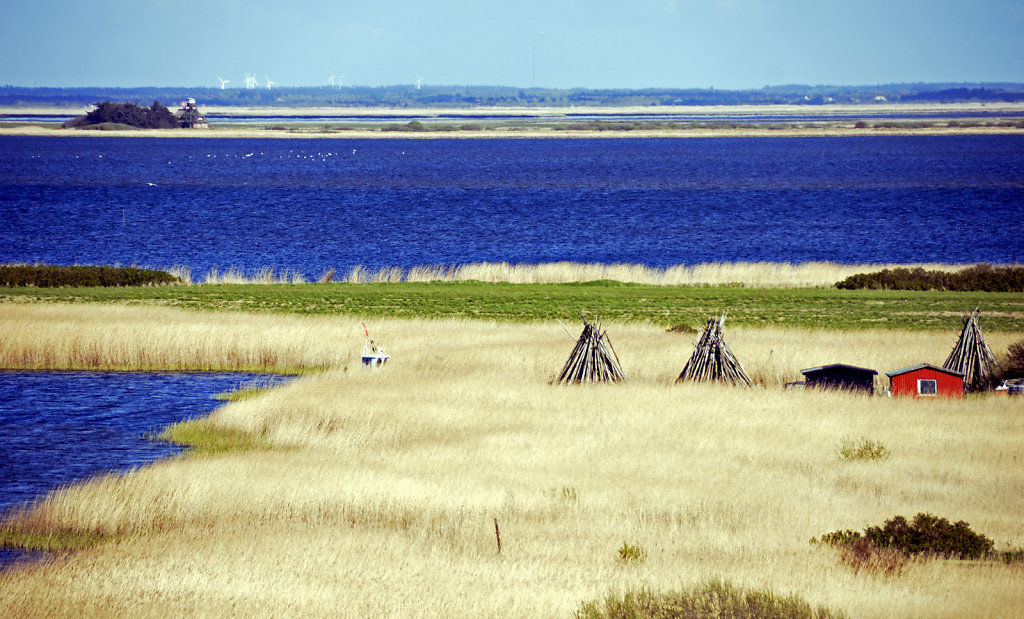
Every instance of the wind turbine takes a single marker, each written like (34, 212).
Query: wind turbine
(419, 82)
(250, 81)
(331, 81)
(269, 83)
(340, 78)
(222, 82)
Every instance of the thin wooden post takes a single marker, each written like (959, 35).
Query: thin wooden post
(497, 535)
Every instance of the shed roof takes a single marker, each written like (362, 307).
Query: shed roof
(921, 366)
(838, 366)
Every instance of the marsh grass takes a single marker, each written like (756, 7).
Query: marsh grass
(204, 438)
(714, 599)
(746, 274)
(375, 493)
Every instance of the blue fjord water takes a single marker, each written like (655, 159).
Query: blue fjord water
(57, 428)
(311, 205)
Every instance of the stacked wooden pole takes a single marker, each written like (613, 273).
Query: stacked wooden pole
(972, 357)
(593, 359)
(712, 360)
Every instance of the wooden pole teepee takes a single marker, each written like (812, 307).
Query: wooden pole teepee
(712, 360)
(593, 359)
(972, 357)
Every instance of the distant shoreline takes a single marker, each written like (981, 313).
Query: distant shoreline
(647, 122)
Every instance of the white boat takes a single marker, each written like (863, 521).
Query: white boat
(373, 355)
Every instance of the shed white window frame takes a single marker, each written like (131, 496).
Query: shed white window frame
(933, 383)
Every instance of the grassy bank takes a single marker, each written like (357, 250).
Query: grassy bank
(376, 493)
(612, 301)
(119, 337)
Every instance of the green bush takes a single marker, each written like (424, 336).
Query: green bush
(713, 599)
(927, 535)
(50, 276)
(863, 449)
(1014, 365)
(632, 554)
(980, 277)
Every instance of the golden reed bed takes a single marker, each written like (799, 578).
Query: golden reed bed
(377, 492)
(747, 274)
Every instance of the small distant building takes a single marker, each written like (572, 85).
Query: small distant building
(925, 380)
(189, 116)
(840, 376)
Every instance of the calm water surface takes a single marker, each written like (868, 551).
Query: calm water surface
(310, 205)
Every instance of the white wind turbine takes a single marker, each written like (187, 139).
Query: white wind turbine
(222, 82)
(331, 82)
(269, 83)
(419, 82)
(250, 81)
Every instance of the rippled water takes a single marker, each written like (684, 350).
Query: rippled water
(58, 428)
(311, 205)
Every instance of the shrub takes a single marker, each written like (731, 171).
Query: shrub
(50, 276)
(863, 449)
(1014, 365)
(927, 535)
(632, 554)
(713, 599)
(980, 277)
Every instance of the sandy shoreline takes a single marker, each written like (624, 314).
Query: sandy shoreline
(543, 122)
(710, 110)
(508, 134)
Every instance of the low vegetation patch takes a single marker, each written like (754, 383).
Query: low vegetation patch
(250, 389)
(202, 437)
(714, 599)
(862, 449)
(977, 278)
(51, 276)
(886, 548)
(48, 541)
(632, 554)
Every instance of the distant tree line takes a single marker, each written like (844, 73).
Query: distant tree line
(156, 116)
(407, 95)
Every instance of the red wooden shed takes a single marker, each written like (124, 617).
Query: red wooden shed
(925, 380)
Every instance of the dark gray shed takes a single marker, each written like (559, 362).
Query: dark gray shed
(840, 376)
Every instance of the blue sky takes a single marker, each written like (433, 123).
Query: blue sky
(726, 44)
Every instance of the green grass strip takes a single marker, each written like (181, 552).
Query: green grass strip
(824, 308)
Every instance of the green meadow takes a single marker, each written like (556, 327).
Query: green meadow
(667, 306)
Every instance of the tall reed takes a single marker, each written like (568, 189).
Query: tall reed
(749, 274)
(376, 493)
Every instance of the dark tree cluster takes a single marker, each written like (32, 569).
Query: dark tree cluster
(980, 277)
(132, 114)
(55, 276)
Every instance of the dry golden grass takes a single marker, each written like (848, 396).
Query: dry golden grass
(54, 336)
(379, 491)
